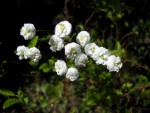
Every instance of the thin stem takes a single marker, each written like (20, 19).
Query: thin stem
(43, 31)
(128, 34)
(89, 19)
(137, 64)
(45, 38)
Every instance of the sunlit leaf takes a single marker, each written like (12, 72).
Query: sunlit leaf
(45, 67)
(26, 100)
(6, 92)
(118, 46)
(33, 42)
(10, 102)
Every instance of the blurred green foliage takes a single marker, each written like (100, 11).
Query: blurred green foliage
(96, 90)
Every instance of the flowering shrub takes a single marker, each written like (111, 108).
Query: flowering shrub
(78, 51)
(98, 67)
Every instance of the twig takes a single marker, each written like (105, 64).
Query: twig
(43, 31)
(137, 64)
(66, 9)
(89, 19)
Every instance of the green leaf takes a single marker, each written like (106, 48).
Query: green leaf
(33, 42)
(80, 27)
(103, 9)
(45, 67)
(34, 64)
(51, 62)
(10, 102)
(6, 92)
(116, 52)
(118, 46)
(26, 100)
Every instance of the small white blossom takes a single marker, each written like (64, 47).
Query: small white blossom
(34, 54)
(81, 60)
(28, 31)
(72, 74)
(83, 38)
(101, 55)
(60, 67)
(21, 52)
(72, 49)
(56, 43)
(114, 63)
(63, 29)
(90, 49)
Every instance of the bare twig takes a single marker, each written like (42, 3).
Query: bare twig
(66, 9)
(89, 19)
(139, 65)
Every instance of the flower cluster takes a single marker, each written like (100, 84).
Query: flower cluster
(78, 51)
(28, 31)
(32, 53)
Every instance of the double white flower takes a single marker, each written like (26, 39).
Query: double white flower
(90, 49)
(63, 29)
(72, 50)
(28, 31)
(114, 63)
(72, 74)
(21, 52)
(83, 38)
(81, 60)
(60, 67)
(56, 43)
(34, 54)
(101, 55)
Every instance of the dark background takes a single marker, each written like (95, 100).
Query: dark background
(44, 14)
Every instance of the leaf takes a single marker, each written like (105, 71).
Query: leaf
(26, 100)
(33, 42)
(34, 64)
(51, 62)
(10, 102)
(80, 27)
(103, 9)
(118, 46)
(127, 7)
(6, 92)
(116, 52)
(45, 67)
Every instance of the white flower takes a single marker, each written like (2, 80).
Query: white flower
(114, 63)
(34, 54)
(101, 55)
(28, 31)
(56, 43)
(21, 52)
(83, 38)
(60, 67)
(63, 29)
(90, 49)
(72, 74)
(81, 60)
(72, 49)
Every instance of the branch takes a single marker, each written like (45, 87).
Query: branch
(89, 19)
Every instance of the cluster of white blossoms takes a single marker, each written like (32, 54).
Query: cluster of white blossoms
(28, 31)
(79, 52)
(102, 56)
(61, 69)
(32, 53)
